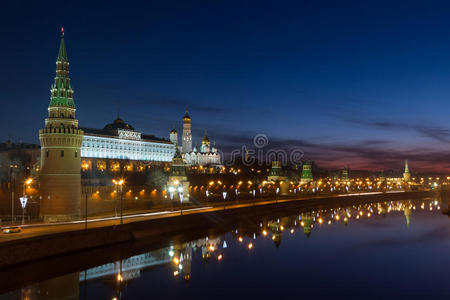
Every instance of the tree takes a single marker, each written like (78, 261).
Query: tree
(157, 177)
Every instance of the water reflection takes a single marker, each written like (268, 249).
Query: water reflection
(177, 259)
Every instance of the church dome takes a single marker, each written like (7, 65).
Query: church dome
(118, 124)
(186, 116)
(173, 131)
(205, 140)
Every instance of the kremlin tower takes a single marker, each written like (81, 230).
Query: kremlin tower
(406, 174)
(186, 142)
(60, 140)
(306, 173)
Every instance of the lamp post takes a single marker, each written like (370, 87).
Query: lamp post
(12, 181)
(85, 208)
(23, 203)
(277, 192)
(236, 191)
(171, 189)
(24, 199)
(224, 194)
(207, 194)
(119, 184)
(180, 194)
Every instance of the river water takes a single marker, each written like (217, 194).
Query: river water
(380, 250)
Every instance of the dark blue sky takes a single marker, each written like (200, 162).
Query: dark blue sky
(358, 83)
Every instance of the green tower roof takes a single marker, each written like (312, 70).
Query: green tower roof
(62, 54)
(61, 90)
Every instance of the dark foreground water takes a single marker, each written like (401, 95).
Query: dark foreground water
(385, 250)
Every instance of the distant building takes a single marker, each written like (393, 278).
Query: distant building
(344, 175)
(205, 156)
(306, 173)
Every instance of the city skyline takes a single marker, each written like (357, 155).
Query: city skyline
(366, 103)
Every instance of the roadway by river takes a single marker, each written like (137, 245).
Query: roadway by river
(38, 229)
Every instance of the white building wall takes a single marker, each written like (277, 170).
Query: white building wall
(116, 148)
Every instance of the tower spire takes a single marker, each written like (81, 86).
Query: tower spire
(406, 166)
(61, 90)
(62, 54)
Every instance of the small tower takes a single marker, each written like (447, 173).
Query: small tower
(276, 172)
(406, 174)
(60, 140)
(205, 145)
(344, 175)
(178, 181)
(186, 143)
(174, 137)
(382, 177)
(306, 173)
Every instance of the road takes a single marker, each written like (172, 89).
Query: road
(32, 230)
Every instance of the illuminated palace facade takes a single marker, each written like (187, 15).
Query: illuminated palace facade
(119, 140)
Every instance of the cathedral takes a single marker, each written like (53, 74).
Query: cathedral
(205, 156)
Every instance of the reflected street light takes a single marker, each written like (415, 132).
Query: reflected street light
(119, 184)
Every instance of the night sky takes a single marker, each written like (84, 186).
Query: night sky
(363, 84)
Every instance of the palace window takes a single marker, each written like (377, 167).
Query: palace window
(62, 153)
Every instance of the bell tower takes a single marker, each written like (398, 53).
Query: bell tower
(60, 140)
(186, 143)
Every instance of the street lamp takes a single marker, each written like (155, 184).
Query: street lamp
(23, 203)
(236, 191)
(12, 181)
(180, 194)
(224, 194)
(171, 190)
(24, 199)
(119, 185)
(277, 192)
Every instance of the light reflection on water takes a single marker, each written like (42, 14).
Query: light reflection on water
(365, 251)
